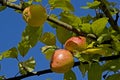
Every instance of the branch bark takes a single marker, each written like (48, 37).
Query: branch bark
(51, 19)
(106, 11)
(65, 25)
(103, 7)
(49, 70)
(11, 5)
(30, 74)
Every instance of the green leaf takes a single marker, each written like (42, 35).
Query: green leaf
(84, 57)
(113, 11)
(89, 58)
(29, 2)
(2, 8)
(111, 6)
(108, 50)
(27, 66)
(99, 25)
(62, 4)
(93, 5)
(11, 53)
(100, 51)
(1, 57)
(26, 4)
(48, 51)
(12, 1)
(2, 78)
(95, 72)
(91, 45)
(18, 11)
(23, 47)
(48, 38)
(63, 34)
(112, 65)
(104, 37)
(70, 19)
(70, 75)
(118, 37)
(37, 0)
(91, 36)
(86, 27)
(115, 38)
(83, 68)
(30, 37)
(48, 79)
(86, 19)
(113, 77)
(116, 45)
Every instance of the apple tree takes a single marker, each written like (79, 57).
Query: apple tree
(94, 40)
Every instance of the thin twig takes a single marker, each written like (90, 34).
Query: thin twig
(117, 17)
(51, 19)
(49, 70)
(64, 25)
(106, 11)
(11, 5)
(30, 74)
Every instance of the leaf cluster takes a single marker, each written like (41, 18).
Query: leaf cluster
(102, 39)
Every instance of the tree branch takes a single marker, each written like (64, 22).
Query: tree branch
(49, 70)
(51, 19)
(64, 25)
(68, 27)
(30, 74)
(103, 7)
(11, 5)
(117, 17)
(106, 11)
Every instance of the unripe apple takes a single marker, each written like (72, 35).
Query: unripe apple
(76, 43)
(62, 61)
(35, 15)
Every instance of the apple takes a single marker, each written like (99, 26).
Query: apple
(35, 15)
(62, 61)
(76, 43)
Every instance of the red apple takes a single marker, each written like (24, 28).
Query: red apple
(62, 61)
(76, 43)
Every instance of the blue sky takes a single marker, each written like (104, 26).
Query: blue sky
(11, 28)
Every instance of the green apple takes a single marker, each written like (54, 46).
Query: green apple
(35, 15)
